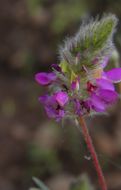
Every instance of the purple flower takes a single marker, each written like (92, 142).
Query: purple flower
(114, 75)
(45, 78)
(75, 84)
(78, 84)
(61, 98)
(96, 103)
(102, 96)
(54, 104)
(77, 107)
(108, 96)
(104, 84)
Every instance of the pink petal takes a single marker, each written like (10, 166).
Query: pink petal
(105, 84)
(75, 85)
(44, 99)
(61, 98)
(52, 76)
(114, 75)
(108, 96)
(45, 78)
(97, 104)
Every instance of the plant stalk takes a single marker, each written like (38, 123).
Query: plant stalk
(92, 151)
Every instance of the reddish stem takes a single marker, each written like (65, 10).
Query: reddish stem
(93, 153)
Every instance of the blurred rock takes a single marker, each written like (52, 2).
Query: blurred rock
(47, 136)
(105, 144)
(5, 184)
(114, 180)
(60, 182)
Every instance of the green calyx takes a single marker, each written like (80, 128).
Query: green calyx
(68, 71)
(94, 39)
(96, 35)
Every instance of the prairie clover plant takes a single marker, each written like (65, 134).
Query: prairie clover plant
(79, 85)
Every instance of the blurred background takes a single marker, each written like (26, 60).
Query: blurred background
(30, 144)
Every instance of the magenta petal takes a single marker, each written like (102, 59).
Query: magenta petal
(75, 85)
(61, 113)
(104, 76)
(44, 99)
(48, 100)
(105, 84)
(97, 104)
(114, 75)
(61, 98)
(108, 96)
(50, 112)
(45, 78)
(42, 78)
(52, 76)
(77, 107)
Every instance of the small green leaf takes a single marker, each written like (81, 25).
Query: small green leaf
(95, 36)
(67, 68)
(73, 76)
(40, 184)
(102, 31)
(64, 66)
(94, 39)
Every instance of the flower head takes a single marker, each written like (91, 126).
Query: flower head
(45, 78)
(54, 104)
(79, 84)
